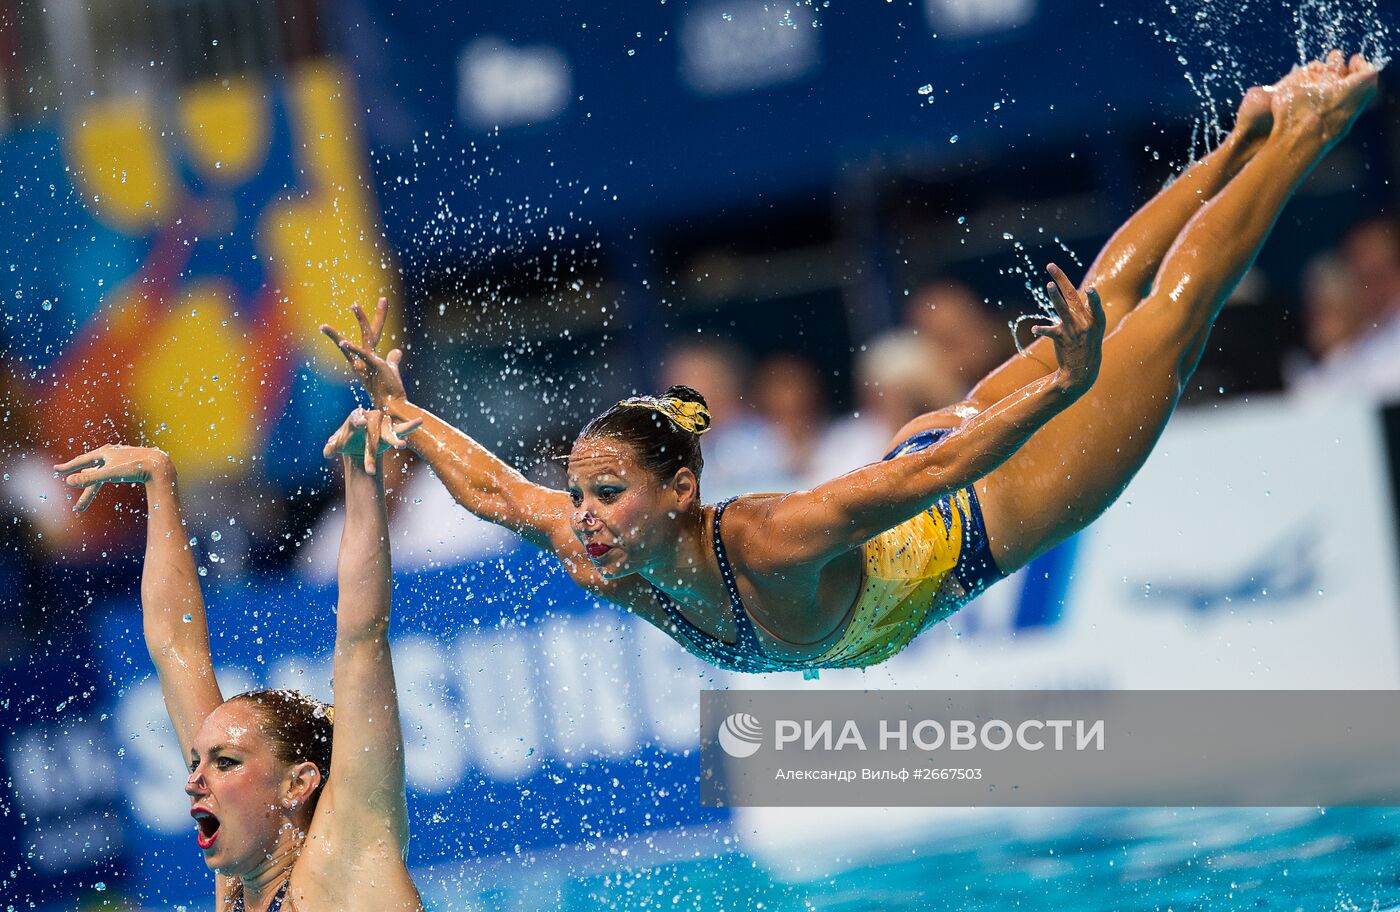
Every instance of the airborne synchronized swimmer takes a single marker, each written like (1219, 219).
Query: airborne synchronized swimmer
(842, 575)
(849, 572)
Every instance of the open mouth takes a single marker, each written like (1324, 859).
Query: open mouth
(208, 827)
(597, 549)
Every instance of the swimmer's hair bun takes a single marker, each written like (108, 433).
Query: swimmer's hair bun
(686, 407)
(686, 394)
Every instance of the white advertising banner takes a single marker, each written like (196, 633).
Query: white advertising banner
(1255, 550)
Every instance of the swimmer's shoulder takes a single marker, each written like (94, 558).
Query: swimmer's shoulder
(752, 539)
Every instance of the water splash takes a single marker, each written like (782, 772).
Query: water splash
(1225, 46)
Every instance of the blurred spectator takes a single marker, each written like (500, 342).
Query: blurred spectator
(789, 394)
(1351, 317)
(743, 452)
(967, 341)
(1333, 312)
(897, 378)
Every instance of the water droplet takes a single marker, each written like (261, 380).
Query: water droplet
(47, 305)
(188, 618)
(216, 535)
(926, 89)
(953, 138)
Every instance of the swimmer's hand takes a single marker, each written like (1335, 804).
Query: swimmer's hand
(369, 432)
(115, 463)
(1078, 334)
(381, 377)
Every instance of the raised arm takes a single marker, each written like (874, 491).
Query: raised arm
(364, 803)
(474, 476)
(172, 606)
(834, 517)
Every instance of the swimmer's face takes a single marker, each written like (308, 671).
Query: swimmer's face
(624, 516)
(243, 798)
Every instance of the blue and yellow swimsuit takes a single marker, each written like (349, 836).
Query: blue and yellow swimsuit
(905, 570)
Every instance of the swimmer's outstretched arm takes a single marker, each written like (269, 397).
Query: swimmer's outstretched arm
(365, 793)
(479, 480)
(172, 606)
(835, 517)
(474, 476)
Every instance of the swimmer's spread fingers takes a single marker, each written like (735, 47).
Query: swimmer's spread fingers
(367, 433)
(79, 462)
(394, 435)
(335, 441)
(343, 434)
(1061, 292)
(1063, 285)
(372, 331)
(86, 498)
(1076, 312)
(340, 342)
(91, 471)
(352, 351)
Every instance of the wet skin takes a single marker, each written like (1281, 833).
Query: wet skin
(618, 505)
(1049, 439)
(258, 802)
(658, 530)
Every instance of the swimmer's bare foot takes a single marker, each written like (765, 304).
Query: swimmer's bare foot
(1325, 96)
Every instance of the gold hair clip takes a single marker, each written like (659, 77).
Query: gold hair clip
(688, 416)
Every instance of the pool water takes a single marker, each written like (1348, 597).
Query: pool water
(1156, 859)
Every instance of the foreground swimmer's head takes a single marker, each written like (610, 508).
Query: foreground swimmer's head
(257, 767)
(633, 471)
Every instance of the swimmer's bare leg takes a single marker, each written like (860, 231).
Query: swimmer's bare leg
(1124, 268)
(1075, 466)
